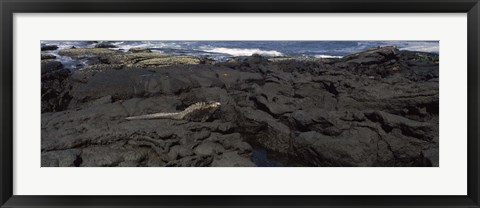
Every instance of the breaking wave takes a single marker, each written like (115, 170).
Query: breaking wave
(326, 56)
(244, 52)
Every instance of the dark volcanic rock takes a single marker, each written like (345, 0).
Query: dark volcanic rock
(375, 108)
(179, 151)
(326, 122)
(382, 61)
(208, 148)
(421, 66)
(140, 50)
(373, 56)
(49, 47)
(82, 53)
(406, 126)
(61, 158)
(54, 89)
(265, 130)
(48, 56)
(192, 161)
(105, 45)
(232, 159)
(354, 147)
(49, 66)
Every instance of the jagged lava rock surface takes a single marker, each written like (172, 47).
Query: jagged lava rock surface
(379, 107)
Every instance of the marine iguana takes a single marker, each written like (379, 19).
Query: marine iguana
(200, 111)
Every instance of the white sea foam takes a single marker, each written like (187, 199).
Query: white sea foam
(422, 48)
(327, 56)
(244, 52)
(126, 47)
(147, 44)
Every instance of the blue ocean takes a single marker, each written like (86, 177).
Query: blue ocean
(223, 49)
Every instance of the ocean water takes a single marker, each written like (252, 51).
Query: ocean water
(222, 50)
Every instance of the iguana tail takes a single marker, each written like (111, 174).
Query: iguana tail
(176, 116)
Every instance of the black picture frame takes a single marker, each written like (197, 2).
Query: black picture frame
(9, 7)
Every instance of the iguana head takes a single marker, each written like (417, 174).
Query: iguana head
(213, 104)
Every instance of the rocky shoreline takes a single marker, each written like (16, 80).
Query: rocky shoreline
(378, 107)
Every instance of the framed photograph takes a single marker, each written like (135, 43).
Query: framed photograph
(265, 103)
